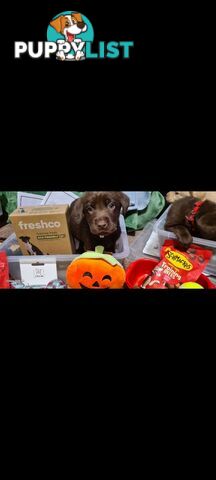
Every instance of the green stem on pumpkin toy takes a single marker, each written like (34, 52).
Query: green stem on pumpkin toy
(99, 249)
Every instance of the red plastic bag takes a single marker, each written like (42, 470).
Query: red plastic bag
(4, 271)
(178, 266)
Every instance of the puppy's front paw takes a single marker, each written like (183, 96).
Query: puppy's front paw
(79, 55)
(185, 240)
(60, 55)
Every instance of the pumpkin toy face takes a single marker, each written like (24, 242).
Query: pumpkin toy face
(94, 270)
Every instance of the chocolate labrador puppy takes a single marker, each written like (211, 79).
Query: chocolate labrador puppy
(189, 217)
(94, 219)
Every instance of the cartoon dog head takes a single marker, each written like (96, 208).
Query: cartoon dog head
(69, 25)
(25, 239)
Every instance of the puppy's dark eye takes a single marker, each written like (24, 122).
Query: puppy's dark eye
(90, 209)
(87, 274)
(107, 277)
(177, 193)
(111, 205)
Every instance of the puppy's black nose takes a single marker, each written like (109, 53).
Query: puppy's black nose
(96, 284)
(80, 24)
(102, 224)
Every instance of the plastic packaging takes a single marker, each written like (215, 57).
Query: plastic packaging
(164, 235)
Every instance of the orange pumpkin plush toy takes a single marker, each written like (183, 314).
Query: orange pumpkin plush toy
(95, 270)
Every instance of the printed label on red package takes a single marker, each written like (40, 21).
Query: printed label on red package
(177, 267)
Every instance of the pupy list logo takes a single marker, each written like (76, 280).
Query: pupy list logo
(70, 37)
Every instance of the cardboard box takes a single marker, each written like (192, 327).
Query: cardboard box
(43, 230)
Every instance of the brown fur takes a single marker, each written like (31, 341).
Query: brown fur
(204, 224)
(95, 214)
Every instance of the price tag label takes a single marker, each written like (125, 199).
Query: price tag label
(38, 273)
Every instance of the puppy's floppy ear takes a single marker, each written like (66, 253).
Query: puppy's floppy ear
(79, 20)
(125, 202)
(57, 24)
(77, 210)
(77, 17)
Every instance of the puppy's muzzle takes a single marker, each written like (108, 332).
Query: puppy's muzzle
(103, 226)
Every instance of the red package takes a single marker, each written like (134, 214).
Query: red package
(178, 266)
(4, 271)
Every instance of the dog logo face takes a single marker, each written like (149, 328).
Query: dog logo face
(69, 25)
(71, 31)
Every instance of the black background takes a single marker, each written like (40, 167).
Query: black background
(109, 124)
